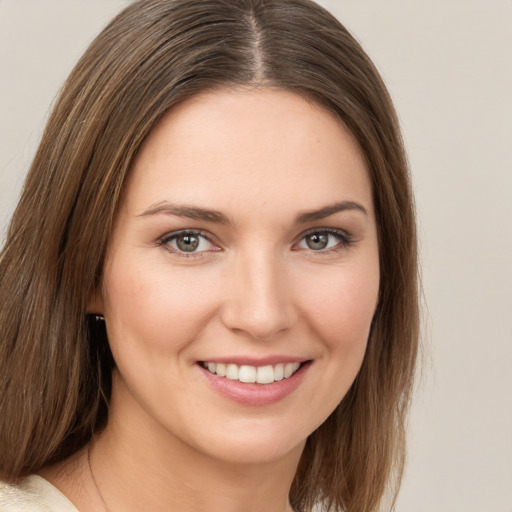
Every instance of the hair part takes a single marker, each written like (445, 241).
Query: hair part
(56, 365)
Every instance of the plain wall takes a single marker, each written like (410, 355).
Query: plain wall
(448, 67)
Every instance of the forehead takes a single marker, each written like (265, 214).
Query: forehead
(263, 145)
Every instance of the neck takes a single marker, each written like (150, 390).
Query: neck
(139, 465)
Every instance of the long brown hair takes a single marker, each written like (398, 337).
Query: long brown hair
(55, 366)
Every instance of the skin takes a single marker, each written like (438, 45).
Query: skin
(254, 288)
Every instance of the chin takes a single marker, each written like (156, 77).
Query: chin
(257, 450)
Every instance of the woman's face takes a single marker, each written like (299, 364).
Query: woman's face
(245, 244)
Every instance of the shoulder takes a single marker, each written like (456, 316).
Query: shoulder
(33, 494)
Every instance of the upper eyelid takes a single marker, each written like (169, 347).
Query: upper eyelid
(334, 231)
(164, 243)
(205, 234)
(345, 241)
(342, 233)
(165, 239)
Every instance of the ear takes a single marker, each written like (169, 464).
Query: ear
(95, 304)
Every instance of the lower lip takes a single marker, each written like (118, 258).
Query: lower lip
(255, 395)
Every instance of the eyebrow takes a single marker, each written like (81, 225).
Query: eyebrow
(191, 212)
(197, 213)
(329, 210)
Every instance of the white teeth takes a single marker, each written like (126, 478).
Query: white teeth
(265, 374)
(232, 372)
(247, 374)
(221, 370)
(279, 371)
(290, 368)
(251, 374)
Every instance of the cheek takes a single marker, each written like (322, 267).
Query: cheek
(339, 311)
(149, 306)
(342, 307)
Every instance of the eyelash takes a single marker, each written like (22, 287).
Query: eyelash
(166, 239)
(345, 240)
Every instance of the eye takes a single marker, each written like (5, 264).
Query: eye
(187, 243)
(324, 240)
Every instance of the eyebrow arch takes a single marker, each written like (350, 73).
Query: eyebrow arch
(197, 213)
(191, 212)
(322, 213)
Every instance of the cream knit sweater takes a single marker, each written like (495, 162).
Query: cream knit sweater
(33, 494)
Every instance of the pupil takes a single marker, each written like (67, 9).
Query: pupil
(187, 243)
(317, 241)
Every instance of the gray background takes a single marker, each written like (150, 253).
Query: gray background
(448, 66)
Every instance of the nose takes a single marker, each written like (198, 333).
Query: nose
(259, 301)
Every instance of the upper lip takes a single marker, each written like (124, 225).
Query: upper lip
(256, 361)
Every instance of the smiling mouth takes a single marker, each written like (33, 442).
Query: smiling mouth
(252, 374)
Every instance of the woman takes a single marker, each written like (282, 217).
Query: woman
(208, 289)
